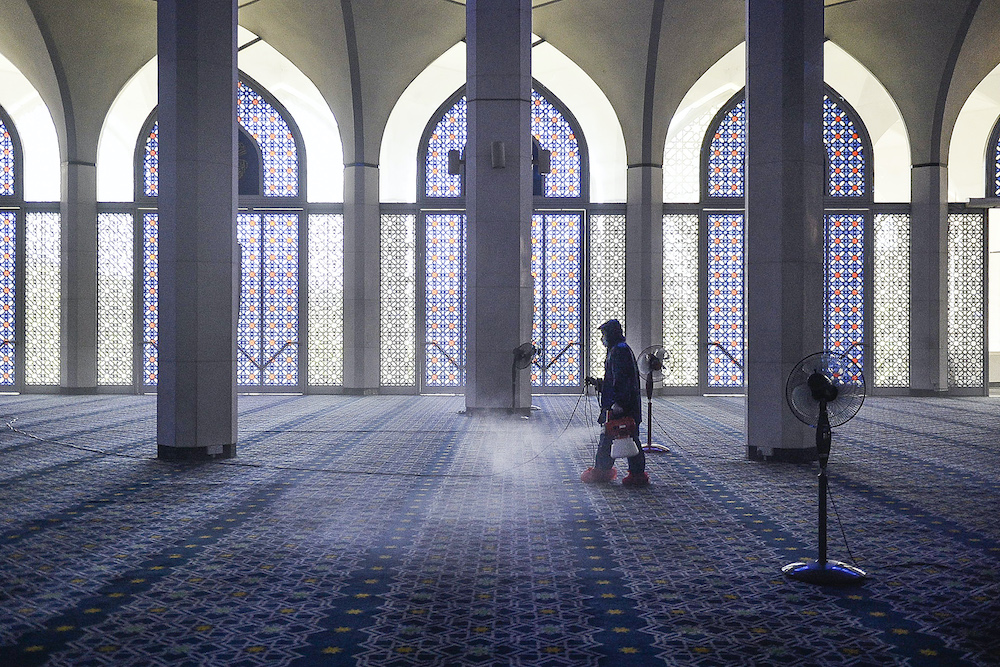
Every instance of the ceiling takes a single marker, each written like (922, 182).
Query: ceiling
(644, 54)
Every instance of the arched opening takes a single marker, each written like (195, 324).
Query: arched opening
(281, 237)
(30, 252)
(704, 259)
(562, 213)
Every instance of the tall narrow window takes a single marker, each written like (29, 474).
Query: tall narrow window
(891, 338)
(267, 334)
(680, 299)
(607, 280)
(115, 270)
(556, 248)
(326, 299)
(8, 302)
(398, 292)
(150, 299)
(845, 278)
(444, 305)
(966, 339)
(725, 300)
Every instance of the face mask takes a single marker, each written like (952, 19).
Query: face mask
(604, 340)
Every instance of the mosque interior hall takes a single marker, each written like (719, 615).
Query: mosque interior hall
(300, 301)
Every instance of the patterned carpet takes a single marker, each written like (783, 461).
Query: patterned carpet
(390, 530)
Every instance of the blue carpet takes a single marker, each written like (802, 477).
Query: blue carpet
(394, 530)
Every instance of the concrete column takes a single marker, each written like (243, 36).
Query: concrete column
(499, 200)
(929, 280)
(644, 257)
(362, 278)
(78, 212)
(198, 304)
(784, 208)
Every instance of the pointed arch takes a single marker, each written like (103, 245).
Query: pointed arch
(857, 87)
(971, 152)
(273, 72)
(30, 117)
(403, 138)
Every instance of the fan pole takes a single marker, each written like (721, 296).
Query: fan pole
(822, 571)
(650, 447)
(823, 483)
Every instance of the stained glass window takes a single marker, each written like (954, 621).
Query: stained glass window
(277, 144)
(554, 133)
(845, 290)
(265, 124)
(449, 134)
(891, 259)
(8, 301)
(114, 298)
(42, 253)
(680, 299)
(248, 339)
(444, 302)
(845, 151)
(607, 280)
(841, 137)
(267, 335)
(151, 163)
(995, 167)
(556, 258)
(150, 297)
(548, 126)
(726, 154)
(7, 175)
(725, 300)
(966, 335)
(398, 300)
(326, 299)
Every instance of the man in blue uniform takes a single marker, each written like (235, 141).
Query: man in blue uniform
(619, 390)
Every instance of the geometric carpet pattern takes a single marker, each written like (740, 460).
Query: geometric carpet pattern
(397, 531)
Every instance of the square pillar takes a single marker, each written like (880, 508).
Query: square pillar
(498, 201)
(644, 257)
(362, 279)
(198, 258)
(784, 209)
(929, 280)
(78, 307)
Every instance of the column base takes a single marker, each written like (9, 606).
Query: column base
(498, 412)
(208, 453)
(786, 455)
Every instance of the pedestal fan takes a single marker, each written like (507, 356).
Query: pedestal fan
(824, 390)
(650, 363)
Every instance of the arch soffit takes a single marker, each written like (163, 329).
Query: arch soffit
(969, 146)
(41, 171)
(551, 68)
(869, 98)
(279, 76)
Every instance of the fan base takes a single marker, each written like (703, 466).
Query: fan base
(830, 573)
(656, 447)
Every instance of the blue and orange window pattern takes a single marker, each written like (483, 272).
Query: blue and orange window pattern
(844, 254)
(549, 128)
(268, 325)
(556, 251)
(8, 231)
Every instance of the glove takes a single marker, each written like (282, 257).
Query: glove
(617, 410)
(592, 381)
